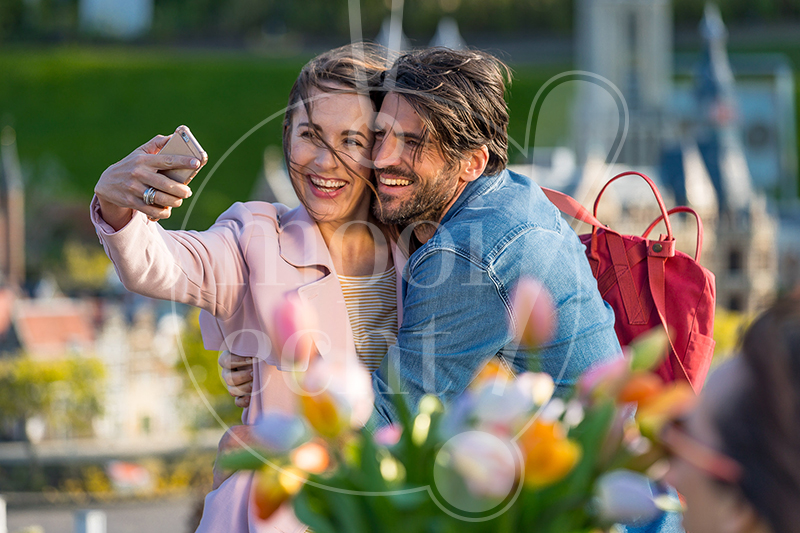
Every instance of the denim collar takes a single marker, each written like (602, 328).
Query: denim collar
(474, 189)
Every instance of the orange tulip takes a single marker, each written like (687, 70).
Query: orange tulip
(490, 373)
(677, 399)
(549, 455)
(311, 457)
(642, 387)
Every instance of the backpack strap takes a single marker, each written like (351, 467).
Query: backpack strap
(656, 265)
(570, 206)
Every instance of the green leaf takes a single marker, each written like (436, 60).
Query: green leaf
(242, 460)
(408, 501)
(311, 515)
(591, 434)
(649, 349)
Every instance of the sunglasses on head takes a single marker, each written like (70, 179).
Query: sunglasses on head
(681, 444)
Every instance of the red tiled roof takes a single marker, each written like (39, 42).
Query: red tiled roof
(53, 327)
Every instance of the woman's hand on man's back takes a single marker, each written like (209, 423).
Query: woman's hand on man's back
(237, 373)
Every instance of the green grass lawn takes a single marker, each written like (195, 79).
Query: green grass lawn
(78, 110)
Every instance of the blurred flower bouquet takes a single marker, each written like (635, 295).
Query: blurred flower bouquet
(506, 456)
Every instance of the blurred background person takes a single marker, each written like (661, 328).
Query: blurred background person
(736, 458)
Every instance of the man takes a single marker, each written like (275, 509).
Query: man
(474, 229)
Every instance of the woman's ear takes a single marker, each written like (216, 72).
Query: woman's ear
(475, 164)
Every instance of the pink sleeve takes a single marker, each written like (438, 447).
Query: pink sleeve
(228, 509)
(205, 269)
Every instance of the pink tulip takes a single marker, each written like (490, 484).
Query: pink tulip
(388, 435)
(295, 322)
(534, 311)
(605, 379)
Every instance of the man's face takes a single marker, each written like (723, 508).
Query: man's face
(409, 189)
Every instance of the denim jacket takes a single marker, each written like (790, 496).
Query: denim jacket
(457, 296)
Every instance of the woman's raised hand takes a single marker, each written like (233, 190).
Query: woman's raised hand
(121, 188)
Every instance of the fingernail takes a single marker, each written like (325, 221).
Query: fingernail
(195, 163)
(251, 373)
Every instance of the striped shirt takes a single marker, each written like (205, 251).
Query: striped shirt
(372, 308)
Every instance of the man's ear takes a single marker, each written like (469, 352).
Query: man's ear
(475, 164)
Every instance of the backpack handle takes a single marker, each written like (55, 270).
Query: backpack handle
(664, 213)
(682, 209)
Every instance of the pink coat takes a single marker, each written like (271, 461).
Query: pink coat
(237, 271)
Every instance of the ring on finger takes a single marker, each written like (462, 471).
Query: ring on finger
(149, 196)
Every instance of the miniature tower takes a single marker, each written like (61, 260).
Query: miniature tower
(629, 42)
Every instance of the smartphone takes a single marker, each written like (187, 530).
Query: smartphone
(182, 142)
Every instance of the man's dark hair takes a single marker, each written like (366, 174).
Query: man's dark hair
(459, 95)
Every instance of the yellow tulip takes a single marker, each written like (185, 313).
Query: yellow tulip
(323, 413)
(491, 372)
(272, 487)
(549, 455)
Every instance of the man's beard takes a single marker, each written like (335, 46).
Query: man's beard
(426, 205)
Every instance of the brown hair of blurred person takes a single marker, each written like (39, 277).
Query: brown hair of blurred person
(736, 457)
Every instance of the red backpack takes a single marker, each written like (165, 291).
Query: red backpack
(648, 283)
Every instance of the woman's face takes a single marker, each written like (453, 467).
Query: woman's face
(330, 191)
(711, 505)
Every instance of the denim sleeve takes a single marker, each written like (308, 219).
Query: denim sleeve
(454, 320)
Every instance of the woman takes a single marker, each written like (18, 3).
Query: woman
(737, 456)
(240, 269)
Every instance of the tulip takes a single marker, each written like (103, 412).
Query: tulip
(534, 312)
(642, 387)
(279, 432)
(388, 435)
(311, 457)
(548, 454)
(272, 487)
(294, 322)
(605, 379)
(625, 497)
(677, 399)
(484, 461)
(493, 372)
(503, 406)
(336, 397)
